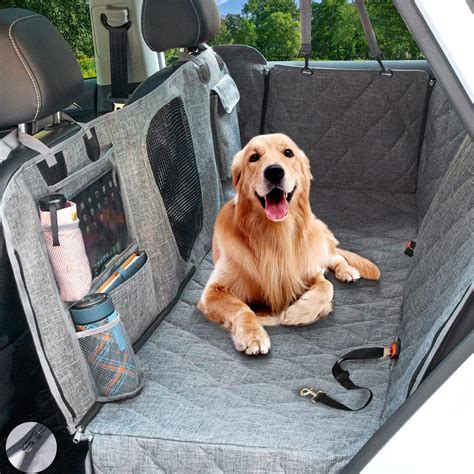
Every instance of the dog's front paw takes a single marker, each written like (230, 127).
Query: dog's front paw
(252, 340)
(301, 314)
(348, 274)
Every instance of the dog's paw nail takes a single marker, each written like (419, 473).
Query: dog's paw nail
(256, 342)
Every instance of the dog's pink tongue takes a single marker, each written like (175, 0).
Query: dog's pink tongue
(276, 211)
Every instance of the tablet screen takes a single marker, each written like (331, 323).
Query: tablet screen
(102, 220)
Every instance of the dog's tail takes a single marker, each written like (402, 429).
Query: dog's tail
(366, 268)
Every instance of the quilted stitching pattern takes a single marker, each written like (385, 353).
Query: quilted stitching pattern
(200, 393)
(359, 128)
(443, 268)
(444, 134)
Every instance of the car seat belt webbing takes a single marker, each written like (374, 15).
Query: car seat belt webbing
(343, 376)
(118, 47)
(305, 30)
(375, 50)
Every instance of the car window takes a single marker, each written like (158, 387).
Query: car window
(72, 19)
(453, 27)
(272, 26)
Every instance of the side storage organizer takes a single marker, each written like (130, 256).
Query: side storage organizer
(117, 304)
(225, 124)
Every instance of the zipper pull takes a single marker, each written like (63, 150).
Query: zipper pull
(78, 435)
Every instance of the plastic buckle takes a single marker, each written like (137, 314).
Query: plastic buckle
(395, 349)
(410, 248)
(315, 394)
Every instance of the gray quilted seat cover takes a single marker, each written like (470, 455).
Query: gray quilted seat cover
(207, 408)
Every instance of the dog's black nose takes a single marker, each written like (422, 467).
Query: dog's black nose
(274, 173)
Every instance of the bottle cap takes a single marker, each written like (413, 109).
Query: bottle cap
(57, 200)
(92, 308)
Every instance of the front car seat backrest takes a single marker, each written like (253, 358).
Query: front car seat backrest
(199, 21)
(39, 74)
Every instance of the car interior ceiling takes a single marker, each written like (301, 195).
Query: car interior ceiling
(392, 163)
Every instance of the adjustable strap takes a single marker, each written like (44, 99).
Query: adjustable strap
(305, 29)
(375, 51)
(343, 376)
(17, 137)
(118, 46)
(8, 144)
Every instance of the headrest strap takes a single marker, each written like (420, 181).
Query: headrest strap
(375, 51)
(305, 19)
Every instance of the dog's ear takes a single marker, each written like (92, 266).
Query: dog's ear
(306, 167)
(237, 168)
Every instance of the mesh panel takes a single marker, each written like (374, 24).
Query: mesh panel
(69, 262)
(173, 162)
(111, 360)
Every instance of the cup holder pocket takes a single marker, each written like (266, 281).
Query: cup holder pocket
(110, 357)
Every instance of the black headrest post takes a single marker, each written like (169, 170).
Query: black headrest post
(168, 24)
(39, 73)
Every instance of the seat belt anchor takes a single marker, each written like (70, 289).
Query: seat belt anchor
(105, 21)
(315, 394)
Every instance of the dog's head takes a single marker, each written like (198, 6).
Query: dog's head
(271, 172)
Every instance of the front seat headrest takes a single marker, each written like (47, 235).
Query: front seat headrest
(170, 24)
(39, 74)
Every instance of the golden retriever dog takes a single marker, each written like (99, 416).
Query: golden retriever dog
(270, 251)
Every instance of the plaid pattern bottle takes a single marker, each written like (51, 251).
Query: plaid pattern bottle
(106, 347)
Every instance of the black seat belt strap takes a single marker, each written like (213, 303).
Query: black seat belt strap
(118, 46)
(343, 376)
(305, 29)
(375, 51)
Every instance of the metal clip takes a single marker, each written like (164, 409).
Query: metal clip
(384, 71)
(315, 395)
(306, 69)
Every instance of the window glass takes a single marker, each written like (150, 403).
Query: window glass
(272, 26)
(452, 24)
(72, 19)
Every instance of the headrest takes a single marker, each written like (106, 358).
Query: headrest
(170, 24)
(39, 74)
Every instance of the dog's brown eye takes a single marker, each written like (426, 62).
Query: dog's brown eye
(289, 153)
(254, 157)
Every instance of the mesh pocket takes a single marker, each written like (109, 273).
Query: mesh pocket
(69, 262)
(173, 162)
(110, 357)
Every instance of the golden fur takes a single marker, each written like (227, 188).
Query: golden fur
(271, 272)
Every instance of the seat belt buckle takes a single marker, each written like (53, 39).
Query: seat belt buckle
(393, 351)
(410, 248)
(117, 102)
(314, 394)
